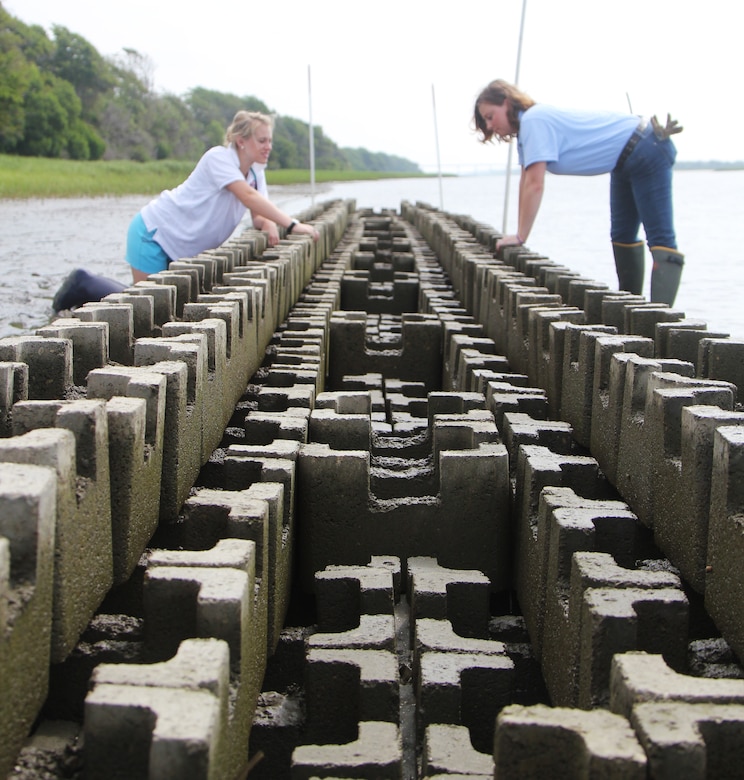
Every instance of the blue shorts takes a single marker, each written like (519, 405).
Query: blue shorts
(143, 251)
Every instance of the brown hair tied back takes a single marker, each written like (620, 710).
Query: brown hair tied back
(496, 93)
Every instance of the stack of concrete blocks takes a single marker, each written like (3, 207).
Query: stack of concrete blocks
(146, 419)
(402, 657)
(527, 427)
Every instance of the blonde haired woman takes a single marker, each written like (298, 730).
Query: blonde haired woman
(204, 211)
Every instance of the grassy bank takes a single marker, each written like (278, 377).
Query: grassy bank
(36, 177)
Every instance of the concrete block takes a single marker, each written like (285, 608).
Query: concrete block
(567, 523)
(83, 571)
(343, 519)
(416, 354)
(722, 359)
(464, 689)
(345, 593)
(694, 741)
(681, 519)
(582, 351)
(13, 388)
(120, 320)
(448, 752)
(167, 719)
(212, 594)
(344, 686)
(376, 754)
(638, 677)
(724, 595)
(538, 741)
(27, 519)
(90, 344)
(458, 596)
(182, 443)
(667, 395)
(136, 412)
(49, 363)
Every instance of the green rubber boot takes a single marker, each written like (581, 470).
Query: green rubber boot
(629, 264)
(666, 274)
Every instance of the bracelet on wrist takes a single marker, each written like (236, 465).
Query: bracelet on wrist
(520, 240)
(292, 225)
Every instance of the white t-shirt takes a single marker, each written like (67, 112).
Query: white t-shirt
(201, 213)
(573, 142)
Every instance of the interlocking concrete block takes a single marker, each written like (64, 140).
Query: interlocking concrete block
(455, 344)
(13, 388)
(566, 523)
(342, 518)
(503, 397)
(266, 427)
(441, 593)
(136, 412)
(464, 689)
(255, 514)
(667, 395)
(681, 519)
(518, 429)
(608, 399)
(519, 306)
(634, 465)
(166, 719)
(376, 754)
(344, 686)
(143, 312)
(638, 677)
(582, 352)
(724, 594)
(535, 742)
(90, 344)
(120, 332)
(83, 544)
(538, 334)
(212, 594)
(722, 359)
(345, 593)
(49, 363)
(221, 386)
(182, 443)
(621, 609)
(643, 320)
(470, 360)
(538, 468)
(163, 298)
(681, 340)
(694, 741)
(448, 752)
(27, 520)
(415, 354)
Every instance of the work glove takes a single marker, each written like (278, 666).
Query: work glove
(662, 133)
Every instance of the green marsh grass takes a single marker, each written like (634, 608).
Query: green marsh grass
(39, 177)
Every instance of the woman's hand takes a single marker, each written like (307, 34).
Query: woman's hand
(307, 230)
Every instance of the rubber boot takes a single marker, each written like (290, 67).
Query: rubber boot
(666, 274)
(630, 266)
(81, 287)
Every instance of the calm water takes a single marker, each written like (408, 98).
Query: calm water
(42, 240)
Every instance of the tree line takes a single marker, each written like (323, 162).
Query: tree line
(59, 97)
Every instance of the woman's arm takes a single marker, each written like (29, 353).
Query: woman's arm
(269, 227)
(263, 207)
(531, 187)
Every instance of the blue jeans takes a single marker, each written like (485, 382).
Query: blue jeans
(641, 192)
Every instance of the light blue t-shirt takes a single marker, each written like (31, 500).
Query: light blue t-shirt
(583, 143)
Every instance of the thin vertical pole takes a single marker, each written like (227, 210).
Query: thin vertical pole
(312, 138)
(511, 143)
(436, 142)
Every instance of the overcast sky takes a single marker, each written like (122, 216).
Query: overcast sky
(377, 71)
